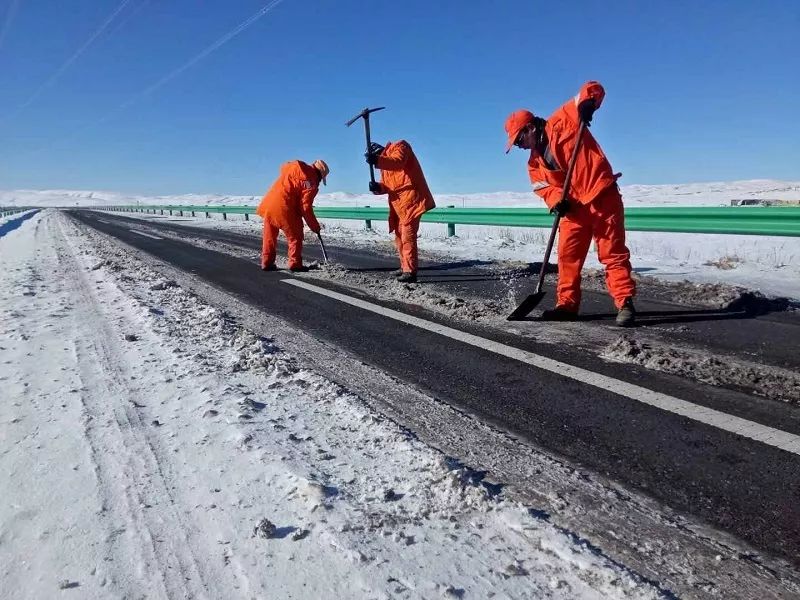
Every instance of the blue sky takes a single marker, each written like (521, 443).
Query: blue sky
(696, 91)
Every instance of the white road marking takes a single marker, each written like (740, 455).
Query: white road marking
(154, 237)
(749, 429)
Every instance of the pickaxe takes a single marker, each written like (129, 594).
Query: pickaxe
(365, 114)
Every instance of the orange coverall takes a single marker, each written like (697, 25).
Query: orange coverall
(595, 204)
(409, 198)
(283, 208)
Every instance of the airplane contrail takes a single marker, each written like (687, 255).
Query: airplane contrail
(12, 11)
(197, 58)
(70, 61)
(172, 74)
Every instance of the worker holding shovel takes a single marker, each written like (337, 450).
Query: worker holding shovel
(284, 207)
(570, 172)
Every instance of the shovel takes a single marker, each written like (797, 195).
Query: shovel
(532, 301)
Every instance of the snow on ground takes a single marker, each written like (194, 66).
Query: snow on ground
(769, 264)
(151, 447)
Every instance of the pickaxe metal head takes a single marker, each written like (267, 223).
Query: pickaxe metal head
(364, 113)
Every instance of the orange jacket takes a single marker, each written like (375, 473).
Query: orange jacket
(592, 173)
(291, 197)
(404, 181)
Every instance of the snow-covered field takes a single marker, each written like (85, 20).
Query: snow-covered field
(152, 447)
(767, 264)
(685, 194)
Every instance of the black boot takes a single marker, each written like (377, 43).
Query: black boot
(626, 317)
(272, 267)
(300, 269)
(407, 277)
(559, 313)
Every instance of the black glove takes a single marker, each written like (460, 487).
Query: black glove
(561, 208)
(375, 150)
(376, 187)
(586, 110)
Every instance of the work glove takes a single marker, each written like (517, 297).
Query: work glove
(374, 152)
(561, 208)
(376, 187)
(586, 110)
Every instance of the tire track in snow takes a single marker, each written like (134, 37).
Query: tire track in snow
(127, 464)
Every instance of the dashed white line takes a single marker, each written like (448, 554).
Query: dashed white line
(702, 414)
(154, 237)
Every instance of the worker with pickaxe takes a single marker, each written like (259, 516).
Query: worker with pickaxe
(409, 196)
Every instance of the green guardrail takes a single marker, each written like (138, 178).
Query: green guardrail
(6, 211)
(739, 220)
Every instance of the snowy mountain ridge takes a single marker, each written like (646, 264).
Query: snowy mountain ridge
(684, 194)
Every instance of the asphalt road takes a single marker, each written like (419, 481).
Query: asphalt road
(740, 485)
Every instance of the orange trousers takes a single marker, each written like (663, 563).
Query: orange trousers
(405, 240)
(269, 242)
(602, 219)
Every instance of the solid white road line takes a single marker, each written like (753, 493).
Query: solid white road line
(749, 429)
(153, 237)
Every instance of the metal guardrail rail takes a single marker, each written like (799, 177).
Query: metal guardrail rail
(738, 220)
(6, 211)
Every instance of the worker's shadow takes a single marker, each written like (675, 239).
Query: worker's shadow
(748, 306)
(649, 318)
(464, 264)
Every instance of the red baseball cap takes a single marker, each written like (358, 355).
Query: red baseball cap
(515, 123)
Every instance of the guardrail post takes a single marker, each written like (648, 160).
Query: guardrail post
(208, 216)
(246, 217)
(170, 212)
(368, 222)
(224, 216)
(162, 211)
(180, 212)
(192, 213)
(451, 227)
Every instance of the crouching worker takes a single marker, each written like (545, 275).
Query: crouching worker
(593, 208)
(409, 198)
(288, 202)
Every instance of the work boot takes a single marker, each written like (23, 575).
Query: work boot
(407, 277)
(559, 313)
(272, 267)
(300, 269)
(397, 273)
(626, 317)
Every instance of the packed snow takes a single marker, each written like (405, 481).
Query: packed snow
(153, 447)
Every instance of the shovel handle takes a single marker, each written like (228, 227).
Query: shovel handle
(322, 245)
(557, 220)
(369, 143)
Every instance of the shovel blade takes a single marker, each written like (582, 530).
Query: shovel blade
(525, 307)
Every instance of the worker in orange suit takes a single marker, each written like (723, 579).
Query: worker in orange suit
(288, 202)
(409, 198)
(593, 208)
